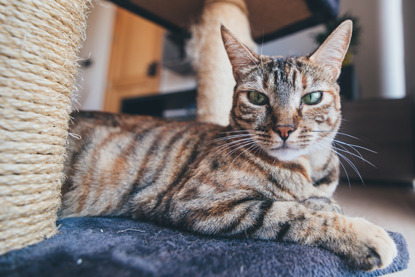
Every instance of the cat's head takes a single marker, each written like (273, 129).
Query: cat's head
(289, 106)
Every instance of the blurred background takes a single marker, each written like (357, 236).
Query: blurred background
(127, 58)
(135, 61)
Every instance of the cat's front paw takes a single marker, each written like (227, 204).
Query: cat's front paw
(368, 246)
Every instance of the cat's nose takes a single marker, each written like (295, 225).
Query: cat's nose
(284, 131)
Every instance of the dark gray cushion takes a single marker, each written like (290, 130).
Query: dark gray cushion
(124, 247)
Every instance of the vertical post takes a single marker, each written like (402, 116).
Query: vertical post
(214, 72)
(39, 42)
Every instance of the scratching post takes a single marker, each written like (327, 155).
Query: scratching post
(215, 79)
(39, 42)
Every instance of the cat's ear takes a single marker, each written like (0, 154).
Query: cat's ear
(333, 50)
(239, 54)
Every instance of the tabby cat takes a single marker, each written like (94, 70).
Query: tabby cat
(269, 175)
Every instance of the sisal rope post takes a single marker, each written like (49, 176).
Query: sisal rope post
(39, 43)
(209, 58)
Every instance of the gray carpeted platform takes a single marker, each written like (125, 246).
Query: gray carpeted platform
(124, 247)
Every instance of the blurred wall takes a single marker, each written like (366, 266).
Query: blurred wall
(298, 44)
(380, 60)
(97, 47)
(408, 7)
(368, 58)
(371, 64)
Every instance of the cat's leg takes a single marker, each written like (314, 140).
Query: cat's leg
(322, 204)
(360, 243)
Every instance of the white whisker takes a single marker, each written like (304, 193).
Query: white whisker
(347, 135)
(345, 171)
(352, 165)
(230, 144)
(238, 147)
(249, 148)
(354, 155)
(357, 146)
(337, 132)
(344, 147)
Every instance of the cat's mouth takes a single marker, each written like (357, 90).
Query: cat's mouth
(284, 152)
(282, 147)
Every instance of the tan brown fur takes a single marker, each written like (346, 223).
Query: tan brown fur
(243, 180)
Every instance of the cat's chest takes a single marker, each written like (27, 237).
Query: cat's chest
(294, 180)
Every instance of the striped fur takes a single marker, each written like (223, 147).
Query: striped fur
(243, 180)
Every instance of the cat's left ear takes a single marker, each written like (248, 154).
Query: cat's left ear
(333, 50)
(239, 54)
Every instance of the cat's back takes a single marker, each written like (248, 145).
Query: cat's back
(98, 130)
(93, 131)
(111, 155)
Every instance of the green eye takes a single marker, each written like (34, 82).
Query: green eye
(257, 98)
(312, 98)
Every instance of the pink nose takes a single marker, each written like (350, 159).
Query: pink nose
(284, 131)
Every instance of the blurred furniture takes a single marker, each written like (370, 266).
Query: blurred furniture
(135, 60)
(269, 19)
(178, 106)
(384, 126)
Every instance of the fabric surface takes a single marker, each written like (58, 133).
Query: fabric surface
(122, 247)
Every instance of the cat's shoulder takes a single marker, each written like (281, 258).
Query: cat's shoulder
(131, 121)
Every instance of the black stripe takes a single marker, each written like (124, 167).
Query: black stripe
(326, 165)
(137, 186)
(294, 77)
(214, 165)
(68, 184)
(91, 168)
(265, 80)
(274, 120)
(160, 167)
(246, 108)
(323, 181)
(228, 207)
(317, 198)
(284, 227)
(259, 221)
(231, 206)
(236, 221)
(169, 192)
(237, 125)
(253, 69)
(167, 149)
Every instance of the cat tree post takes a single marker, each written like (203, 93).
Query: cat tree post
(39, 42)
(214, 72)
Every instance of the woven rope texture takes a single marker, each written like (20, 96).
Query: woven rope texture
(39, 43)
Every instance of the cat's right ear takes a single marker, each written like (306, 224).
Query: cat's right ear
(240, 55)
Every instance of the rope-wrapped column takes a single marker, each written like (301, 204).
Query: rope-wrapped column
(214, 71)
(39, 42)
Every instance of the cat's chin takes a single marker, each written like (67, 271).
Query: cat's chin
(285, 154)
